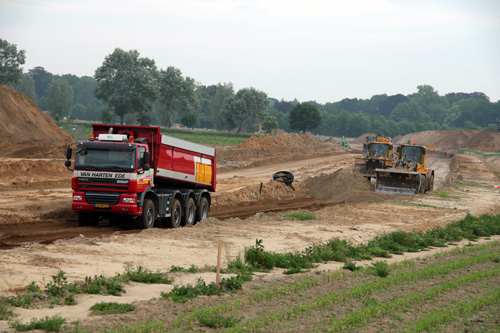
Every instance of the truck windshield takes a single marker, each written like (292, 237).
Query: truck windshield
(412, 153)
(379, 150)
(105, 159)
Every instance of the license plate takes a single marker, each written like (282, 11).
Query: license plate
(101, 206)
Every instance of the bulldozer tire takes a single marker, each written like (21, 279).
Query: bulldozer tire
(421, 184)
(202, 211)
(189, 213)
(431, 184)
(147, 219)
(174, 221)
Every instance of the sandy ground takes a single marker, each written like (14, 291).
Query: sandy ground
(106, 250)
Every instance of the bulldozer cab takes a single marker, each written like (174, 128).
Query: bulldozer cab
(379, 150)
(412, 154)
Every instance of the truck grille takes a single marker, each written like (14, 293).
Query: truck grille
(102, 198)
(97, 183)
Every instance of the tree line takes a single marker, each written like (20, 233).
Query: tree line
(130, 89)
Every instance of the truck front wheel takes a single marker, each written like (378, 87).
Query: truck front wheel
(86, 219)
(202, 211)
(174, 220)
(147, 219)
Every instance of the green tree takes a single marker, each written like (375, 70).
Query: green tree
(127, 83)
(411, 112)
(79, 111)
(27, 86)
(11, 61)
(357, 124)
(224, 90)
(304, 117)
(176, 95)
(42, 80)
(269, 124)
(189, 120)
(106, 116)
(248, 103)
(59, 98)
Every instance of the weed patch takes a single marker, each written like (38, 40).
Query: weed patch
(105, 308)
(52, 324)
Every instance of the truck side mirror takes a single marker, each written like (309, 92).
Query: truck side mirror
(69, 152)
(67, 164)
(424, 151)
(146, 157)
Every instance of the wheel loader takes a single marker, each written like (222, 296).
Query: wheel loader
(409, 174)
(378, 156)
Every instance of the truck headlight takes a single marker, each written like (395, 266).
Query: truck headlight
(77, 198)
(129, 200)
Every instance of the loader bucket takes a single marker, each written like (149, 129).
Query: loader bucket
(395, 181)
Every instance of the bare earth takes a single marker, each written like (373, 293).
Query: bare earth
(39, 233)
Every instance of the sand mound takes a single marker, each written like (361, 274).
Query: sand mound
(267, 149)
(488, 140)
(444, 140)
(25, 131)
(270, 190)
(347, 184)
(362, 138)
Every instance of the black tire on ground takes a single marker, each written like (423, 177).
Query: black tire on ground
(174, 221)
(431, 183)
(147, 219)
(189, 213)
(202, 211)
(83, 219)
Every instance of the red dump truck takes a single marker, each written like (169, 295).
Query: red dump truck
(136, 174)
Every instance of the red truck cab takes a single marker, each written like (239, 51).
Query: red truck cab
(134, 173)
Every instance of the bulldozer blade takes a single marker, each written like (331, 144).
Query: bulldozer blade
(396, 181)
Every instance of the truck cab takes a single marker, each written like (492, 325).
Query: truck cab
(135, 174)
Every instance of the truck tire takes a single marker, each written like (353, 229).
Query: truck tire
(147, 219)
(174, 221)
(87, 219)
(83, 219)
(203, 208)
(189, 213)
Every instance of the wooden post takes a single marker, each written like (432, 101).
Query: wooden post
(217, 279)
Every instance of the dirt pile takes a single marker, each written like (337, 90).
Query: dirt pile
(347, 184)
(25, 131)
(488, 140)
(362, 138)
(253, 193)
(265, 149)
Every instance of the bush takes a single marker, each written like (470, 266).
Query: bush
(104, 308)
(52, 324)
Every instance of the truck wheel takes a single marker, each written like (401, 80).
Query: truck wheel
(83, 219)
(174, 220)
(189, 213)
(147, 219)
(202, 211)
(93, 220)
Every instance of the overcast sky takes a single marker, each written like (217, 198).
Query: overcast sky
(322, 50)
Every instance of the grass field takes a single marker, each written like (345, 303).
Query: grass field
(452, 291)
(206, 137)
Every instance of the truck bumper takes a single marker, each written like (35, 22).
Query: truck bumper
(119, 208)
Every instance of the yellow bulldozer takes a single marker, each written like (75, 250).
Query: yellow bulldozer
(378, 156)
(409, 174)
